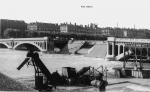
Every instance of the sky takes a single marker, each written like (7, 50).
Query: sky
(104, 13)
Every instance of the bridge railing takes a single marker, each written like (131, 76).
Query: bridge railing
(24, 39)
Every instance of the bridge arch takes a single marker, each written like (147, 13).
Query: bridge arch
(6, 45)
(28, 43)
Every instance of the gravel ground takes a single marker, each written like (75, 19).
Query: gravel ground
(115, 85)
(9, 84)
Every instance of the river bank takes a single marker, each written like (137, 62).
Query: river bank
(114, 85)
(10, 59)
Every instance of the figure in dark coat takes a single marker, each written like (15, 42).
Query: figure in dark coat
(30, 53)
(100, 83)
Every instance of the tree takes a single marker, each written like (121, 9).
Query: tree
(13, 33)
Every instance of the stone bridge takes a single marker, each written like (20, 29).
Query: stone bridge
(117, 48)
(13, 43)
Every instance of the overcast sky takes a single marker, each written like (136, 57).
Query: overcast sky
(125, 13)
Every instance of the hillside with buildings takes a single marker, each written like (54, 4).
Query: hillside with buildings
(19, 29)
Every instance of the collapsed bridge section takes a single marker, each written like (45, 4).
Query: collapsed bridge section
(134, 53)
(123, 48)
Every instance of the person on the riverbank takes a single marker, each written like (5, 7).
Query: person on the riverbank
(100, 83)
(36, 55)
(30, 53)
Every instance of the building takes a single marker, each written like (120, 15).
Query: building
(125, 32)
(12, 24)
(40, 26)
(74, 28)
(64, 28)
(68, 28)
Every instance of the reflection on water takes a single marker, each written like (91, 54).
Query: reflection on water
(11, 59)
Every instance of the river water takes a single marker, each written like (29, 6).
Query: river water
(11, 59)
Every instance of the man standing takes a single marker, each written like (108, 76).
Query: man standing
(100, 83)
(30, 53)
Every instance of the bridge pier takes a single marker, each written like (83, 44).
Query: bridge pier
(111, 50)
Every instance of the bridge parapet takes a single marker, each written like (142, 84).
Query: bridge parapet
(7, 42)
(41, 43)
(132, 40)
(31, 39)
